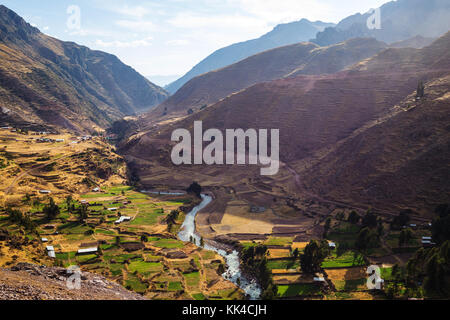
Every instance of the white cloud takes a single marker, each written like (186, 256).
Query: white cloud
(195, 21)
(277, 11)
(177, 42)
(124, 44)
(132, 11)
(137, 25)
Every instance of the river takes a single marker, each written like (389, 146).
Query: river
(233, 273)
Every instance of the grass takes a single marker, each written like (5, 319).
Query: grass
(350, 285)
(116, 269)
(145, 268)
(192, 279)
(283, 264)
(198, 296)
(135, 284)
(147, 217)
(175, 286)
(386, 273)
(348, 259)
(168, 243)
(295, 290)
(273, 241)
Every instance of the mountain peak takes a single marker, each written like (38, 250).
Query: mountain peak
(13, 27)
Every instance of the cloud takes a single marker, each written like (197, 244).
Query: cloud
(124, 44)
(132, 11)
(177, 42)
(195, 21)
(137, 25)
(276, 11)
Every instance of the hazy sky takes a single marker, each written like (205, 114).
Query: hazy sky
(168, 37)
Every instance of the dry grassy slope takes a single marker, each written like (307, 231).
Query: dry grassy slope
(316, 113)
(293, 60)
(47, 81)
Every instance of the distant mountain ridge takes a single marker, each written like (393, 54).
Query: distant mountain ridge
(288, 61)
(50, 82)
(400, 20)
(281, 35)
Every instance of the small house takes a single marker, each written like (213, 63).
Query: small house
(51, 251)
(122, 219)
(113, 209)
(45, 192)
(44, 240)
(332, 245)
(88, 251)
(96, 189)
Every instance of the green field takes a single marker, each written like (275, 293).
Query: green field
(295, 290)
(348, 259)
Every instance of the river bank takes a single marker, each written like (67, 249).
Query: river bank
(230, 254)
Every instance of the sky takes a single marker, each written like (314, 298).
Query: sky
(164, 39)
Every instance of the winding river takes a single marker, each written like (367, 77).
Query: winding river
(233, 273)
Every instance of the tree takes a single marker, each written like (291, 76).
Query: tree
(221, 269)
(406, 236)
(69, 200)
(367, 239)
(370, 220)
(51, 210)
(441, 225)
(295, 254)
(327, 227)
(144, 238)
(313, 256)
(401, 220)
(353, 217)
(83, 213)
(202, 242)
(195, 188)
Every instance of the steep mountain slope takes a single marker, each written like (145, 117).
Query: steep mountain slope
(400, 20)
(301, 58)
(50, 82)
(281, 35)
(316, 115)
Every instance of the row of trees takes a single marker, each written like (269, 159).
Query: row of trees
(254, 262)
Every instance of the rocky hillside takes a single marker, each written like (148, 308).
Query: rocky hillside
(400, 20)
(46, 81)
(299, 59)
(31, 282)
(281, 35)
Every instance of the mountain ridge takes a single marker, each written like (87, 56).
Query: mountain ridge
(281, 35)
(51, 82)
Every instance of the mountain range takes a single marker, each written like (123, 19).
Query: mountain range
(48, 82)
(355, 136)
(400, 20)
(281, 35)
(286, 61)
